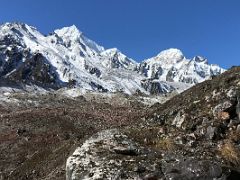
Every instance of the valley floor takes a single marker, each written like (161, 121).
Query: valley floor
(39, 132)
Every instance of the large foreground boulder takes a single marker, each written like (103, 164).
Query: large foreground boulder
(112, 155)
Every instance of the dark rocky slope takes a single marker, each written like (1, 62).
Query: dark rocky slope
(195, 135)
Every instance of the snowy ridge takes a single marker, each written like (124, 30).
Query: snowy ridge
(171, 65)
(113, 58)
(68, 56)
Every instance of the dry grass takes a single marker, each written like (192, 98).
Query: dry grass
(151, 137)
(165, 144)
(234, 136)
(223, 116)
(144, 136)
(230, 153)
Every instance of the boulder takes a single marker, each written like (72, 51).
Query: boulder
(179, 119)
(156, 87)
(238, 129)
(111, 155)
(211, 132)
(232, 93)
(190, 169)
(222, 107)
(238, 108)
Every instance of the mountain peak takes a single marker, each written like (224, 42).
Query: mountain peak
(10, 24)
(171, 54)
(70, 32)
(112, 51)
(73, 29)
(200, 59)
(16, 25)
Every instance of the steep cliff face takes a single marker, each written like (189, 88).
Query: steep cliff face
(157, 87)
(19, 64)
(36, 70)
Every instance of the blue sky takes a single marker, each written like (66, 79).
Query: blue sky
(141, 28)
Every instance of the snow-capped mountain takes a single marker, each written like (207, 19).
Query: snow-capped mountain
(63, 57)
(171, 65)
(113, 58)
(66, 57)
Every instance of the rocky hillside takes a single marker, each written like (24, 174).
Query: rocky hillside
(194, 135)
(67, 58)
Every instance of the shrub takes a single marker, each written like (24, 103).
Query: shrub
(230, 153)
(165, 144)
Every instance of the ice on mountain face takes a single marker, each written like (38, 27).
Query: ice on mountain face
(93, 45)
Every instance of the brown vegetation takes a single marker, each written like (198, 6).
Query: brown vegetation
(230, 153)
(165, 144)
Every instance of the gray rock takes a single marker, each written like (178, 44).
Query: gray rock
(211, 132)
(238, 108)
(221, 107)
(110, 155)
(154, 176)
(129, 150)
(179, 119)
(156, 87)
(232, 93)
(238, 129)
(191, 169)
